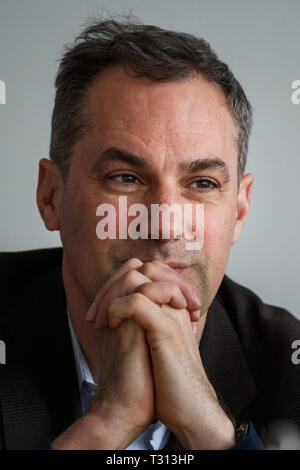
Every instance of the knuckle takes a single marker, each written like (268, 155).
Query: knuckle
(112, 307)
(136, 301)
(172, 287)
(148, 269)
(144, 288)
(130, 277)
(133, 263)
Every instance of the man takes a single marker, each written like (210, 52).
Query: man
(122, 343)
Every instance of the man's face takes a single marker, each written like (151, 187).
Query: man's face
(168, 126)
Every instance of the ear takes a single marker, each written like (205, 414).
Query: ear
(243, 204)
(48, 193)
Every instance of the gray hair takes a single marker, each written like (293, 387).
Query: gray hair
(146, 51)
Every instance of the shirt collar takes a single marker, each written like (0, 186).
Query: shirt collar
(83, 371)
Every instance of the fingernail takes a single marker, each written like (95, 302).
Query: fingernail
(195, 328)
(197, 313)
(91, 312)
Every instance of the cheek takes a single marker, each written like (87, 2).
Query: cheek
(218, 230)
(78, 228)
(79, 215)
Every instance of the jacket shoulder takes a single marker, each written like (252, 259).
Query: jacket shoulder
(248, 312)
(27, 264)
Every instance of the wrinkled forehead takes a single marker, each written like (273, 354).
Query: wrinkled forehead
(185, 113)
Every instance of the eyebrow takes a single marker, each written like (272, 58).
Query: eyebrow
(114, 154)
(214, 163)
(117, 155)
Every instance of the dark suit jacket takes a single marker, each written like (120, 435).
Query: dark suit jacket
(245, 349)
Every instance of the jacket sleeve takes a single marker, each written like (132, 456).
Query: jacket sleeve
(250, 442)
(44, 446)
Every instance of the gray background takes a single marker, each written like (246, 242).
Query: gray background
(260, 42)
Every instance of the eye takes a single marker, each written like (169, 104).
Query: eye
(125, 178)
(204, 183)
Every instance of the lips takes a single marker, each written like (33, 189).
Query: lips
(173, 264)
(176, 264)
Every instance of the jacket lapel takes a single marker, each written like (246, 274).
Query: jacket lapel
(41, 396)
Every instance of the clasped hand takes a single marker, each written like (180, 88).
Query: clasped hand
(149, 325)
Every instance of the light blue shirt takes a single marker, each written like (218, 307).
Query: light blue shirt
(155, 437)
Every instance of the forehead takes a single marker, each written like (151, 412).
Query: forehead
(177, 117)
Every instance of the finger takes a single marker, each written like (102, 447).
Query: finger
(133, 263)
(157, 271)
(195, 315)
(163, 292)
(160, 323)
(146, 313)
(125, 285)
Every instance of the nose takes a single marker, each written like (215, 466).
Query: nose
(165, 213)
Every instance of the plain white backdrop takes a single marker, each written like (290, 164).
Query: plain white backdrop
(259, 39)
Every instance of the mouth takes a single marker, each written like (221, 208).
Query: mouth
(180, 270)
(176, 265)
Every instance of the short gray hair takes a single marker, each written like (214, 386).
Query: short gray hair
(146, 51)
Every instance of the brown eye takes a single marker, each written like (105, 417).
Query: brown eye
(125, 178)
(204, 183)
